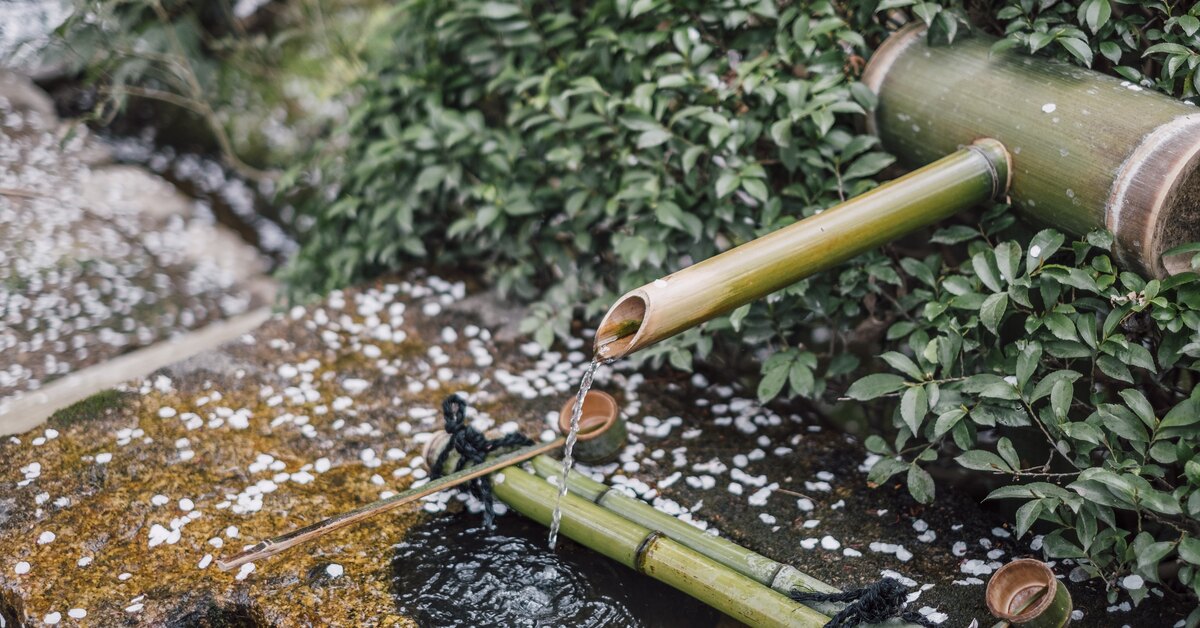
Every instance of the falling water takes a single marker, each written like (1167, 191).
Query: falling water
(572, 435)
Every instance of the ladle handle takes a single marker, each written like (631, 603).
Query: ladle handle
(273, 546)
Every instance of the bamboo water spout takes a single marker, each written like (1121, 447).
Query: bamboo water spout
(717, 285)
(1072, 148)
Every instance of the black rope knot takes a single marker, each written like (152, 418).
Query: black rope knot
(472, 447)
(872, 604)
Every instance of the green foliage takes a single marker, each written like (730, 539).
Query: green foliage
(1041, 362)
(572, 152)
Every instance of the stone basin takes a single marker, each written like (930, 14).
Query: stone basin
(113, 512)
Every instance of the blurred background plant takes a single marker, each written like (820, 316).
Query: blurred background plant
(264, 78)
(567, 152)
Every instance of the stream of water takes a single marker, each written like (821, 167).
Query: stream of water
(585, 384)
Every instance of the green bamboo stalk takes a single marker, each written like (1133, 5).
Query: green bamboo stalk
(682, 300)
(1088, 150)
(750, 564)
(779, 576)
(653, 554)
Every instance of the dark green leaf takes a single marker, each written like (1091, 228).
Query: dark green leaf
(920, 484)
(981, 460)
(875, 385)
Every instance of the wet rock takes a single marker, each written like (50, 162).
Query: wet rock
(98, 261)
(18, 93)
(123, 510)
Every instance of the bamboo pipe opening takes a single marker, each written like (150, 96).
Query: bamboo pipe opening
(1182, 226)
(620, 332)
(1162, 177)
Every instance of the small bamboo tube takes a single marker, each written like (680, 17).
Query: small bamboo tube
(684, 299)
(653, 553)
(1088, 150)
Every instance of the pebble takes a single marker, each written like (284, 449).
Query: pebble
(334, 570)
(77, 613)
(52, 618)
(1133, 582)
(244, 571)
(21, 568)
(976, 567)
(355, 386)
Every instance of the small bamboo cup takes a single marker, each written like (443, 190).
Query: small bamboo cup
(602, 442)
(1025, 593)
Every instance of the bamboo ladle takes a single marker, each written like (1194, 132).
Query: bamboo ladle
(600, 417)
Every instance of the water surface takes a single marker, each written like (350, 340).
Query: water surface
(449, 572)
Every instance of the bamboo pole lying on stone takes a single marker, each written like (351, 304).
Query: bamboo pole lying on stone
(275, 545)
(653, 553)
(778, 576)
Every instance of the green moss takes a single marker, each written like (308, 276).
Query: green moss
(93, 407)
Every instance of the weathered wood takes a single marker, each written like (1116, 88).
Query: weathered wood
(1088, 150)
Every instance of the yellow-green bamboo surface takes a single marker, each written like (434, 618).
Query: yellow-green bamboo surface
(721, 283)
(653, 554)
(1088, 150)
(761, 569)
(779, 576)
(631, 544)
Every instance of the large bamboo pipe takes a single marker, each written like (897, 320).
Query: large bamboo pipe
(1084, 151)
(1089, 151)
(719, 284)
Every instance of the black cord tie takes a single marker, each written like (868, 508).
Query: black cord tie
(873, 604)
(472, 447)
